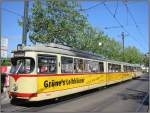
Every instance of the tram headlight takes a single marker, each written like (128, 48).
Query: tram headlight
(15, 88)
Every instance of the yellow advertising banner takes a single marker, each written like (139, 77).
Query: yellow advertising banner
(56, 83)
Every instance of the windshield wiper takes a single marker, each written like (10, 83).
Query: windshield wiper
(19, 68)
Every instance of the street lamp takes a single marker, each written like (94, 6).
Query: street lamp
(100, 43)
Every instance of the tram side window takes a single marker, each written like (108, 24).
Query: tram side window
(114, 67)
(91, 66)
(101, 66)
(128, 68)
(131, 68)
(47, 64)
(94, 66)
(117, 68)
(87, 66)
(109, 67)
(125, 68)
(66, 65)
(139, 69)
(135, 68)
(78, 65)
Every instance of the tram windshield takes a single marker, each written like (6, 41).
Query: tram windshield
(22, 65)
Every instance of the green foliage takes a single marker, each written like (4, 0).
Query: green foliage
(133, 55)
(58, 21)
(145, 60)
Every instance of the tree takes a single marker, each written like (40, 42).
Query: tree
(133, 55)
(145, 60)
(56, 21)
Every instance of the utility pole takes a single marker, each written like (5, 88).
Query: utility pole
(122, 35)
(149, 37)
(25, 23)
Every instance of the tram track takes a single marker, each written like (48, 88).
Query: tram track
(100, 106)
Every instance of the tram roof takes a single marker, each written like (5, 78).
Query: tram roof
(61, 49)
(65, 50)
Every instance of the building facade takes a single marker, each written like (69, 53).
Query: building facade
(4, 47)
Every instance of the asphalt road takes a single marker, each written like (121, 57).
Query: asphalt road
(123, 97)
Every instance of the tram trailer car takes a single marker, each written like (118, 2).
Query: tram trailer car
(43, 72)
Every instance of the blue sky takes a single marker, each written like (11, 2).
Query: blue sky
(98, 17)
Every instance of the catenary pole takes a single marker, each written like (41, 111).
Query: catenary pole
(25, 22)
(122, 35)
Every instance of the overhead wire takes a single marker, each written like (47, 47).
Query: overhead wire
(123, 28)
(132, 17)
(111, 27)
(115, 18)
(94, 6)
(89, 8)
(116, 8)
(113, 15)
(127, 16)
(11, 11)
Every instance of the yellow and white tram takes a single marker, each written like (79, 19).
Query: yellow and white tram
(42, 72)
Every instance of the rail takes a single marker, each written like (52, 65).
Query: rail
(142, 104)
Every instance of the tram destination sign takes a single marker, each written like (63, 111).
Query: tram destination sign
(19, 54)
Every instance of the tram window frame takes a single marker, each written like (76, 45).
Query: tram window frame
(48, 65)
(114, 67)
(131, 68)
(128, 68)
(27, 65)
(96, 68)
(62, 64)
(93, 66)
(118, 68)
(139, 69)
(87, 66)
(109, 67)
(101, 66)
(134, 69)
(125, 68)
(77, 68)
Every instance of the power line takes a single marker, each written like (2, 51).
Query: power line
(132, 17)
(127, 16)
(80, 10)
(122, 35)
(116, 8)
(89, 8)
(11, 11)
(115, 18)
(120, 23)
(115, 27)
(113, 15)
(112, 27)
